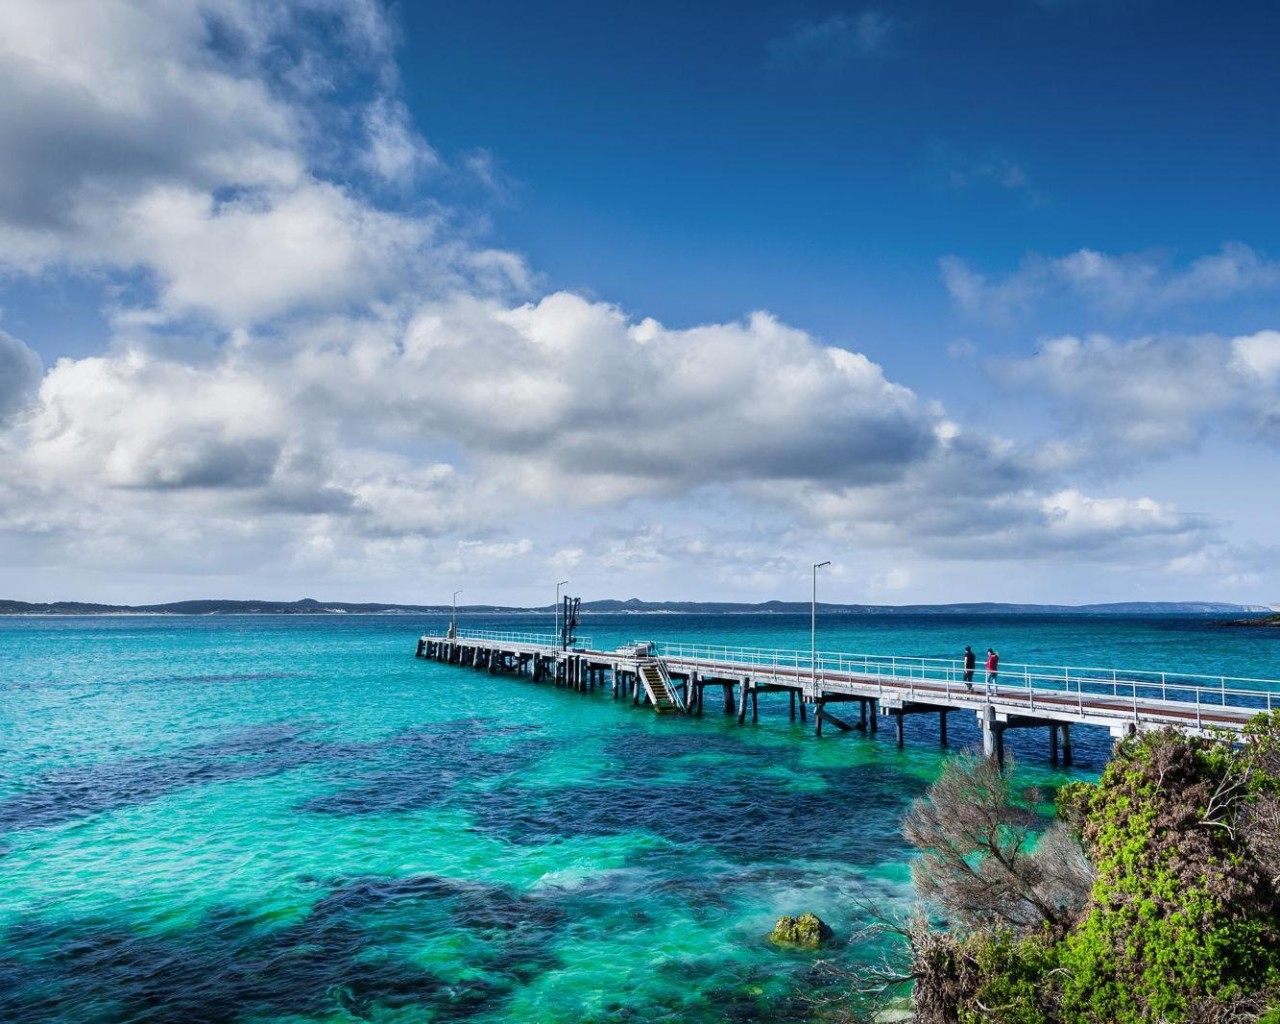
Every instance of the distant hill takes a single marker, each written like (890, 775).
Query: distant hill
(977, 608)
(309, 606)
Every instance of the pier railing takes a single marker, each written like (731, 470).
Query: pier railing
(1015, 681)
(1185, 699)
(532, 639)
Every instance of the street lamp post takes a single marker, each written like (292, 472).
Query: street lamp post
(558, 586)
(453, 629)
(813, 622)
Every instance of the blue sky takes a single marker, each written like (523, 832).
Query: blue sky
(979, 302)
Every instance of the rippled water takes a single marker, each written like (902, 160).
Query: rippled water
(293, 819)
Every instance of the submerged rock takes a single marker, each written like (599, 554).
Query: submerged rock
(807, 930)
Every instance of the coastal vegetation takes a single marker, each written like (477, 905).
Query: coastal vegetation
(1150, 896)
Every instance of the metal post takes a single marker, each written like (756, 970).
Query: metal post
(453, 627)
(557, 632)
(813, 624)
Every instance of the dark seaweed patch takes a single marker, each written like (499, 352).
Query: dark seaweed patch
(745, 816)
(630, 744)
(70, 793)
(228, 969)
(409, 770)
(423, 768)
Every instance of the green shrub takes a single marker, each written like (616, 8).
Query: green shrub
(1182, 920)
(1180, 915)
(1012, 975)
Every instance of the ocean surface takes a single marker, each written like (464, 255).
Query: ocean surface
(292, 819)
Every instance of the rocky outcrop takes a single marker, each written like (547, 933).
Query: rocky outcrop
(807, 931)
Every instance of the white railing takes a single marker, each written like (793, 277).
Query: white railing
(1135, 694)
(1015, 682)
(532, 639)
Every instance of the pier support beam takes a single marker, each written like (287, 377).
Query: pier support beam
(838, 722)
(992, 734)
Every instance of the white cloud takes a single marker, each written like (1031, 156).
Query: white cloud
(396, 153)
(540, 410)
(1153, 396)
(181, 141)
(1114, 285)
(959, 171)
(20, 372)
(306, 385)
(841, 37)
(1258, 354)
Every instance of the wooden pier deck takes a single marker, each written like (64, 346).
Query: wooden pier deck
(675, 677)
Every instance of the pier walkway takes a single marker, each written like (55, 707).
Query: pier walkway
(676, 676)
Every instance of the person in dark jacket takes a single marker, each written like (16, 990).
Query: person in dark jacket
(969, 661)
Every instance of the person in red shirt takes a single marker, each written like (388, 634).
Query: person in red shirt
(993, 666)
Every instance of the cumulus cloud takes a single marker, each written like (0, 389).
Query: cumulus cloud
(313, 383)
(1156, 395)
(19, 374)
(633, 406)
(184, 142)
(1113, 285)
(109, 98)
(396, 153)
(560, 389)
(560, 404)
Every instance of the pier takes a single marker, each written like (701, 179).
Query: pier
(848, 692)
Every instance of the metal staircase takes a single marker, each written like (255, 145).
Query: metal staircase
(663, 694)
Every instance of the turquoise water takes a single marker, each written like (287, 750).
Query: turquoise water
(294, 820)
